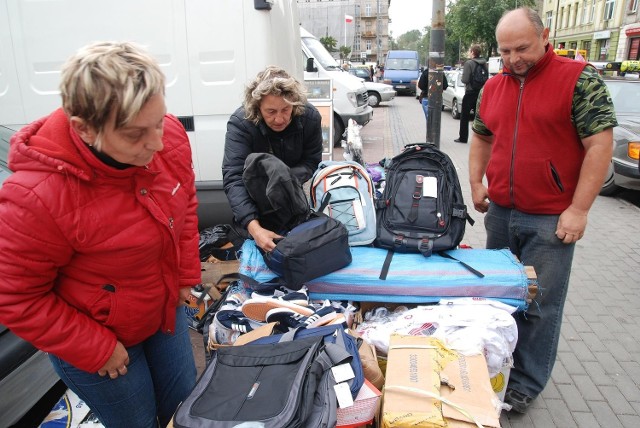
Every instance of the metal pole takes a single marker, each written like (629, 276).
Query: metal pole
(436, 72)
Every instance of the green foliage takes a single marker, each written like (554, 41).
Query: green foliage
(474, 21)
(329, 43)
(345, 52)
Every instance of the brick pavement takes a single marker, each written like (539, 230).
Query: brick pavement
(596, 378)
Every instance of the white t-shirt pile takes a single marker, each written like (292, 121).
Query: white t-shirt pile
(467, 325)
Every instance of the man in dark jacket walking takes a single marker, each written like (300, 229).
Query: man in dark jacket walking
(275, 118)
(471, 93)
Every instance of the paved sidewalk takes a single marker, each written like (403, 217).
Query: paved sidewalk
(596, 378)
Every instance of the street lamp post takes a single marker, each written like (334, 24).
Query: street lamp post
(436, 72)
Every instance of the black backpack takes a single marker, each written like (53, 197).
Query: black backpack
(281, 201)
(479, 76)
(422, 208)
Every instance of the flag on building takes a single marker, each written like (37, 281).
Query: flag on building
(348, 18)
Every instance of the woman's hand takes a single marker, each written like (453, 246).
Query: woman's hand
(116, 365)
(264, 238)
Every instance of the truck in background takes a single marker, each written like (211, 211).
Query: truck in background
(402, 71)
(207, 50)
(349, 93)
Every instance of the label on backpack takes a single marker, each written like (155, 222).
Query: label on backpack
(343, 394)
(342, 372)
(430, 187)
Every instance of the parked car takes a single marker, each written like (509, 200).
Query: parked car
(452, 96)
(362, 73)
(379, 92)
(624, 169)
(26, 375)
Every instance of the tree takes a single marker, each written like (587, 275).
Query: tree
(329, 43)
(474, 21)
(345, 52)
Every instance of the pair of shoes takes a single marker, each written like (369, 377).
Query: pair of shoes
(458, 140)
(257, 308)
(299, 297)
(228, 324)
(289, 319)
(518, 401)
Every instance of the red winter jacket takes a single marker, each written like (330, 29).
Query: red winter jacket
(91, 254)
(536, 153)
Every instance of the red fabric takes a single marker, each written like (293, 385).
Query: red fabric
(75, 228)
(535, 143)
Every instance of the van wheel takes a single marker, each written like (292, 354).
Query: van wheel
(374, 99)
(338, 130)
(454, 109)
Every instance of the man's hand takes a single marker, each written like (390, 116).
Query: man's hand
(263, 237)
(480, 197)
(117, 363)
(183, 299)
(571, 225)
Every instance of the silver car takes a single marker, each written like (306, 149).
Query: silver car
(624, 171)
(452, 96)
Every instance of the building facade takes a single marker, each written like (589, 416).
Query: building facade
(367, 33)
(609, 30)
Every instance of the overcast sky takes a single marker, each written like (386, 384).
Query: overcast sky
(407, 15)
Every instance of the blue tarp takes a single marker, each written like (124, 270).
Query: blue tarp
(412, 278)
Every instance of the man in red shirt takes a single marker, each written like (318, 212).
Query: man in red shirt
(543, 136)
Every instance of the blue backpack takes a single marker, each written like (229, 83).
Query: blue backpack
(343, 190)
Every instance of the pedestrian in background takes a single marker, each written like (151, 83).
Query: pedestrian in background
(275, 118)
(100, 239)
(543, 137)
(423, 95)
(471, 91)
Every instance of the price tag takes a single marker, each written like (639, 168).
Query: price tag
(343, 393)
(342, 372)
(430, 187)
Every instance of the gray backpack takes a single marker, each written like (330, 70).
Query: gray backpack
(288, 384)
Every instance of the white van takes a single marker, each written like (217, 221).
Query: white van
(349, 93)
(208, 50)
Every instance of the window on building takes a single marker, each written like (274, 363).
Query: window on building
(585, 11)
(561, 17)
(609, 8)
(356, 45)
(574, 21)
(587, 47)
(633, 5)
(567, 17)
(368, 43)
(634, 49)
(604, 48)
(549, 20)
(367, 9)
(593, 10)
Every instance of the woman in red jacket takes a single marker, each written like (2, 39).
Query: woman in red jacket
(100, 241)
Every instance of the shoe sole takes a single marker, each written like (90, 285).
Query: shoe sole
(257, 309)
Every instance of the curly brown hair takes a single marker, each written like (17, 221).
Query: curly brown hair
(276, 81)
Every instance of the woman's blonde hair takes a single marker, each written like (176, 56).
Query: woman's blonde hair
(109, 77)
(273, 81)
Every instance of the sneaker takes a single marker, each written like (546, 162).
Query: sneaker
(518, 401)
(290, 319)
(298, 297)
(227, 325)
(257, 309)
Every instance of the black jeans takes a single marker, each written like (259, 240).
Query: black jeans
(468, 103)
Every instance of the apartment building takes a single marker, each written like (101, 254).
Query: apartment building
(609, 30)
(362, 25)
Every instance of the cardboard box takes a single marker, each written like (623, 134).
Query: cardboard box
(364, 408)
(428, 385)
